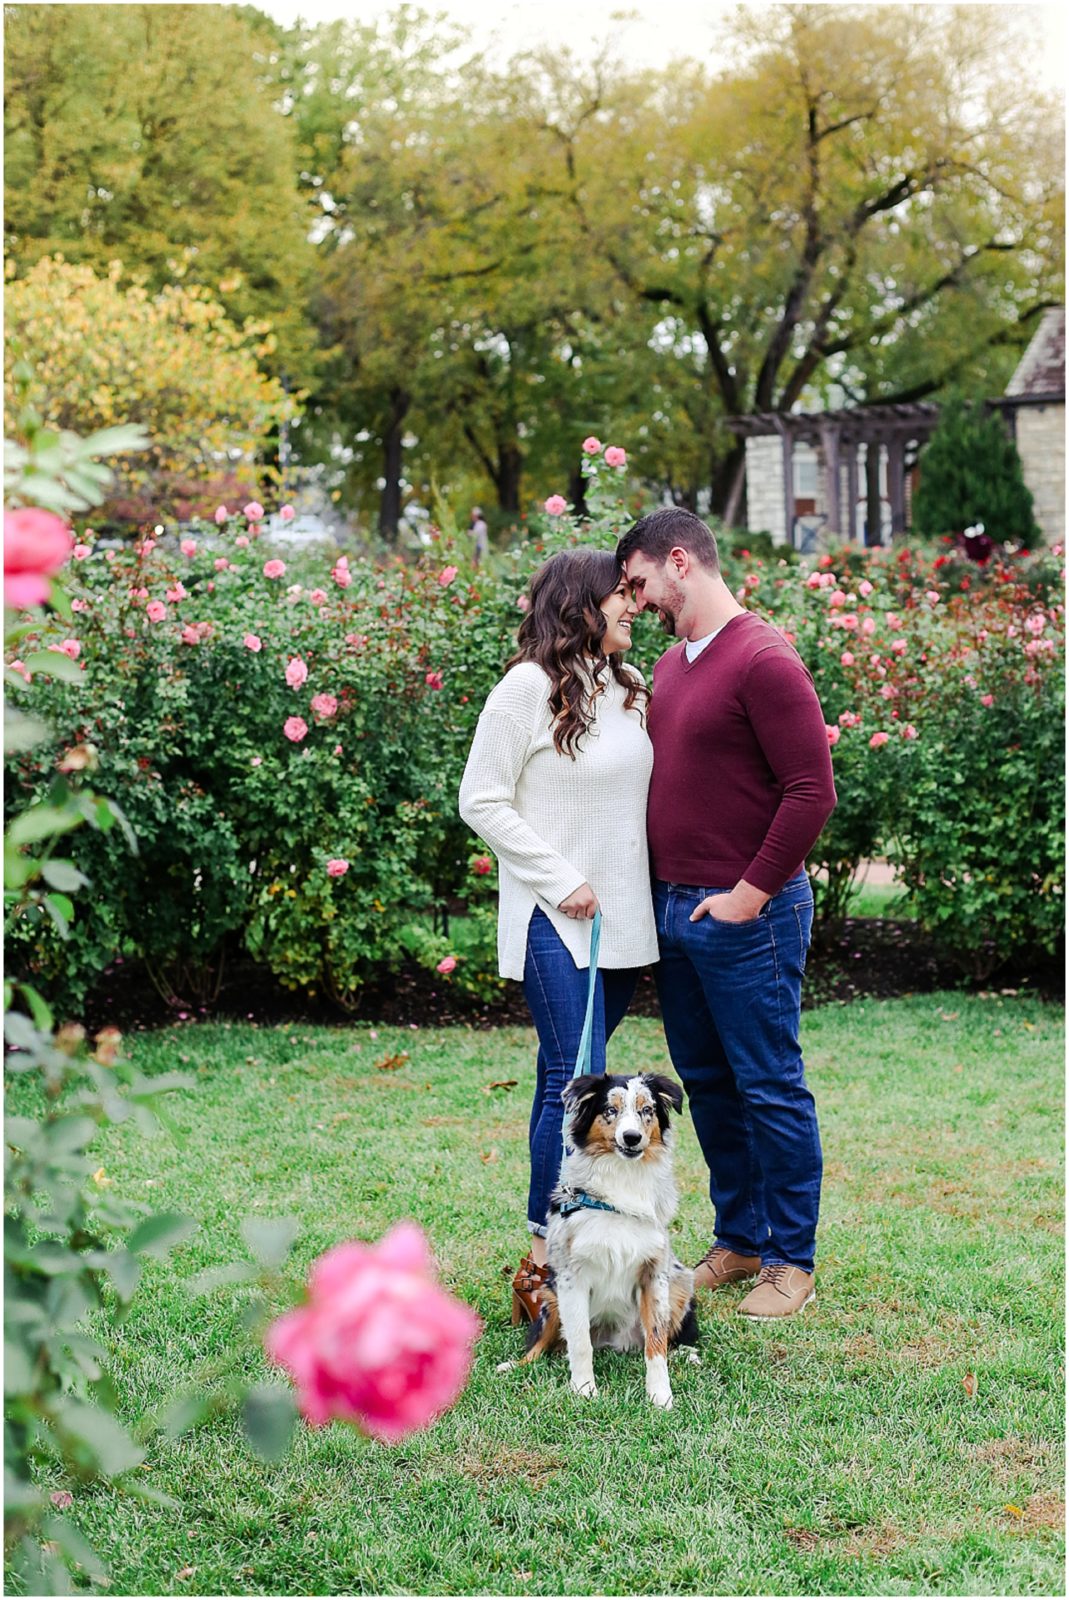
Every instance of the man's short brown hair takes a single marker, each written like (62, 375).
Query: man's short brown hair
(672, 528)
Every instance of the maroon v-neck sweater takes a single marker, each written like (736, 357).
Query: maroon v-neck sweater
(742, 781)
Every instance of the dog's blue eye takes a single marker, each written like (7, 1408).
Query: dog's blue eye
(609, 1113)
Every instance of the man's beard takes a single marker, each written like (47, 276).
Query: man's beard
(670, 608)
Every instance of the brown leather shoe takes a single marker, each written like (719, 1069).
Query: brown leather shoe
(719, 1266)
(526, 1286)
(781, 1290)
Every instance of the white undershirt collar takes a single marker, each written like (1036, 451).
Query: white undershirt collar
(694, 647)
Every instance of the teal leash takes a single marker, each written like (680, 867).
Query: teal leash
(583, 1059)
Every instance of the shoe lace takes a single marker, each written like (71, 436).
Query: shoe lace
(773, 1273)
(714, 1250)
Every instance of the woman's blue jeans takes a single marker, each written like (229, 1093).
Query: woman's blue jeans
(556, 991)
(731, 996)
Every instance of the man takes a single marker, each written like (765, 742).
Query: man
(742, 785)
(480, 534)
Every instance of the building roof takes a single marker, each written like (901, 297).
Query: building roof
(857, 425)
(1040, 374)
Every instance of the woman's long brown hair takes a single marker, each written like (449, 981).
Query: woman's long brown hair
(563, 632)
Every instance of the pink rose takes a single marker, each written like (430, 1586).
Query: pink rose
(21, 668)
(190, 635)
(341, 574)
(155, 611)
(81, 551)
(899, 647)
(256, 761)
(433, 680)
(188, 547)
(242, 541)
(252, 642)
(67, 647)
(909, 731)
(254, 511)
(1035, 623)
(295, 729)
(337, 867)
(987, 699)
(318, 597)
(837, 598)
(849, 719)
(147, 546)
(614, 456)
(337, 749)
(878, 739)
(834, 733)
(221, 514)
(868, 625)
(287, 513)
(847, 658)
(220, 563)
(932, 596)
(446, 576)
(864, 587)
(556, 505)
(83, 605)
(814, 581)
(446, 965)
(893, 621)
(296, 673)
(592, 445)
(176, 593)
(523, 603)
(481, 866)
(324, 705)
(274, 569)
(36, 544)
(850, 621)
(378, 1342)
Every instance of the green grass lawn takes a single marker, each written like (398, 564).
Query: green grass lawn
(839, 1454)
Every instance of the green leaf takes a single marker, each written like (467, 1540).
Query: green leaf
(63, 875)
(270, 1238)
(75, 1548)
(22, 732)
(116, 441)
(159, 1234)
(18, 1369)
(41, 822)
(183, 1413)
(268, 1417)
(124, 1270)
(219, 1277)
(110, 1445)
(54, 664)
(61, 910)
(40, 1010)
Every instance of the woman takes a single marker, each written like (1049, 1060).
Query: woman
(556, 784)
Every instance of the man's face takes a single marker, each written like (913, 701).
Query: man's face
(657, 587)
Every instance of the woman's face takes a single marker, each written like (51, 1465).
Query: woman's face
(619, 611)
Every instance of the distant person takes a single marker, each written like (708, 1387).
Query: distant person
(480, 534)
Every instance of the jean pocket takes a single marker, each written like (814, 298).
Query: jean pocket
(803, 916)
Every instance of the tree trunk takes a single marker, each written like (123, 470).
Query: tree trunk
(577, 491)
(392, 461)
(728, 476)
(507, 477)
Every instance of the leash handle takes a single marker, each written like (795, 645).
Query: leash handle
(582, 1060)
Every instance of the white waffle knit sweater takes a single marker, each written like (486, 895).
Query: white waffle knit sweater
(554, 823)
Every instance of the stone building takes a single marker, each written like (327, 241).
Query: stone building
(1034, 410)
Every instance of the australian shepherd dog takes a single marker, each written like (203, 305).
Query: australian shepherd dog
(613, 1278)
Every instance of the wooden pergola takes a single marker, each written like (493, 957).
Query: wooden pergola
(837, 436)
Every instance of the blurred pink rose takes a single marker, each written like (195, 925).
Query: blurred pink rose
(893, 621)
(274, 569)
(190, 635)
(481, 866)
(909, 731)
(337, 749)
(878, 739)
(36, 544)
(176, 593)
(814, 581)
(864, 587)
(254, 511)
(378, 1342)
(592, 445)
(987, 699)
(324, 705)
(221, 514)
(188, 547)
(340, 573)
(337, 867)
(433, 680)
(868, 625)
(20, 667)
(220, 563)
(287, 513)
(849, 719)
(252, 642)
(80, 551)
(446, 964)
(295, 729)
(836, 598)
(850, 621)
(556, 505)
(242, 541)
(147, 546)
(899, 647)
(256, 761)
(296, 673)
(847, 658)
(155, 611)
(523, 603)
(318, 597)
(834, 733)
(932, 596)
(67, 647)
(446, 576)
(83, 605)
(614, 456)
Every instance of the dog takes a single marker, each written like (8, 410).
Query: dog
(613, 1278)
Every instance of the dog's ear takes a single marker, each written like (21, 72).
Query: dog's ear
(666, 1090)
(579, 1090)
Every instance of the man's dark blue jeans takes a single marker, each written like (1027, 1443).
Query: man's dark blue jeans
(556, 991)
(731, 995)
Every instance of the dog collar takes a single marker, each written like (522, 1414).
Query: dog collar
(580, 1200)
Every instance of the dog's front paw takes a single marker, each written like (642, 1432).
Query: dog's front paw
(586, 1387)
(661, 1398)
(506, 1366)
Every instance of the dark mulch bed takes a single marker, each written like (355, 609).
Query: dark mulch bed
(871, 957)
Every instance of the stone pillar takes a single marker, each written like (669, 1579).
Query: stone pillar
(872, 492)
(788, 479)
(850, 520)
(829, 439)
(896, 483)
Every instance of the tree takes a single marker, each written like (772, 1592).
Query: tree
(868, 197)
(88, 352)
(151, 134)
(970, 473)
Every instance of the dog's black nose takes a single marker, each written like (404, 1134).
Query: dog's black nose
(632, 1139)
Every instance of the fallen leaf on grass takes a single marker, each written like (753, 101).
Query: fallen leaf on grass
(501, 1083)
(487, 1157)
(801, 1538)
(391, 1063)
(61, 1499)
(1014, 1511)
(969, 1384)
(186, 1572)
(950, 1016)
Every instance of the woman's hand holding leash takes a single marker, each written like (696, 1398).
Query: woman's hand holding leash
(581, 904)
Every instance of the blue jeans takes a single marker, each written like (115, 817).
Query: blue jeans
(556, 991)
(731, 997)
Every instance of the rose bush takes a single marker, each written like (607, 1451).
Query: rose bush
(260, 720)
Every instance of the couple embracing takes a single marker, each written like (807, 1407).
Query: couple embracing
(686, 817)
